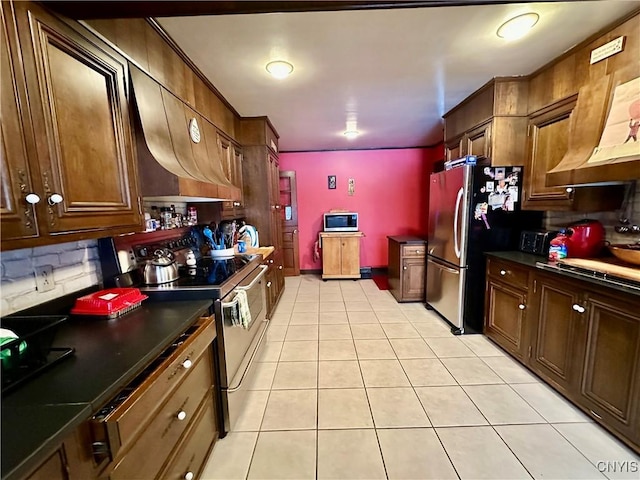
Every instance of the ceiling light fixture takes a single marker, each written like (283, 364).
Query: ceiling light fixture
(518, 26)
(279, 68)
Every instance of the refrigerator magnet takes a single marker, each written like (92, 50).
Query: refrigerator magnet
(488, 187)
(499, 173)
(480, 210)
(488, 172)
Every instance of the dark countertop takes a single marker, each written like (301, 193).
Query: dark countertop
(109, 354)
(541, 263)
(406, 239)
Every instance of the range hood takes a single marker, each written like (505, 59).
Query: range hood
(587, 161)
(179, 154)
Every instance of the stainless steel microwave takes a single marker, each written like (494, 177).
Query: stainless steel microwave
(340, 222)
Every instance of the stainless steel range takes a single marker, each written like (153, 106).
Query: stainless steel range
(223, 280)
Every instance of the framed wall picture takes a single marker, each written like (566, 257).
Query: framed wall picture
(331, 181)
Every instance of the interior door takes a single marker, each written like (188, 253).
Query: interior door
(289, 219)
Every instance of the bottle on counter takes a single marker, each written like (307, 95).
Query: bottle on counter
(558, 247)
(165, 218)
(192, 216)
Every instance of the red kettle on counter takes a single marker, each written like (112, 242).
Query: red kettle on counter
(585, 239)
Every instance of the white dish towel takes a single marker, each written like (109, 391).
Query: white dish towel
(244, 319)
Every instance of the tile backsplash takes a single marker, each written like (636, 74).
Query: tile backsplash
(76, 265)
(556, 220)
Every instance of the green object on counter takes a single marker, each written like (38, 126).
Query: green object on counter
(7, 356)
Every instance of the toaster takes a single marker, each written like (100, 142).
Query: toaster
(536, 241)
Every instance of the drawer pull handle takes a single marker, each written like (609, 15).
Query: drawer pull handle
(187, 363)
(188, 476)
(522, 306)
(578, 308)
(503, 272)
(595, 414)
(181, 415)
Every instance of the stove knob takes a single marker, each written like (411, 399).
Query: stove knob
(142, 252)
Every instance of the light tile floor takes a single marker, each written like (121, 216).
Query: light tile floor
(352, 384)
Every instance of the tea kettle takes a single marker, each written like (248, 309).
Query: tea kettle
(585, 239)
(162, 268)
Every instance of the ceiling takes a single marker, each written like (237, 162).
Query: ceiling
(394, 71)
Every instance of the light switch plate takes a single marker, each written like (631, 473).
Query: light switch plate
(44, 278)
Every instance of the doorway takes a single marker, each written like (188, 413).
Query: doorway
(289, 219)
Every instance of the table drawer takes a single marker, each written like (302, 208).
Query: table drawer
(195, 448)
(414, 250)
(149, 451)
(507, 271)
(120, 421)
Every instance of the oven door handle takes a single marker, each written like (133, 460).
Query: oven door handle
(264, 269)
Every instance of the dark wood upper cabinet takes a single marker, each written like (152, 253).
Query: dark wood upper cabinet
(490, 123)
(83, 165)
(19, 217)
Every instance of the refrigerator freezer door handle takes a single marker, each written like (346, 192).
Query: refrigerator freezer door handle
(442, 267)
(456, 243)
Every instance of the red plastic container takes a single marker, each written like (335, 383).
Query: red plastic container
(109, 303)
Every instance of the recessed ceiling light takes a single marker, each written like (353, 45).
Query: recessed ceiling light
(279, 69)
(517, 26)
(351, 134)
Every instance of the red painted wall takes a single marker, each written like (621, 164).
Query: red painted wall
(390, 196)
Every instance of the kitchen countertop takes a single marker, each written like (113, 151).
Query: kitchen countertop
(109, 354)
(406, 239)
(264, 251)
(531, 260)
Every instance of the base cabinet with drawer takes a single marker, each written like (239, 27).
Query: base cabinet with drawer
(506, 312)
(406, 268)
(581, 338)
(169, 405)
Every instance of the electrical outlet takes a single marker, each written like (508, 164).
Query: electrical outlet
(44, 278)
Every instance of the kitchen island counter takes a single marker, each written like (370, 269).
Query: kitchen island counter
(36, 417)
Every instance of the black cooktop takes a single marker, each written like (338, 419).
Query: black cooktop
(211, 271)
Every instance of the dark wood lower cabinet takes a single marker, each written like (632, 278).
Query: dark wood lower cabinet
(505, 319)
(583, 339)
(611, 376)
(558, 341)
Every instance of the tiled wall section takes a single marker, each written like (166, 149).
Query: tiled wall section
(556, 220)
(76, 265)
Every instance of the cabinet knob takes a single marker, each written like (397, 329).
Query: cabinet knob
(187, 363)
(181, 415)
(32, 198)
(271, 261)
(54, 198)
(404, 268)
(568, 189)
(280, 267)
(277, 207)
(522, 306)
(188, 476)
(295, 230)
(578, 308)
(268, 284)
(503, 272)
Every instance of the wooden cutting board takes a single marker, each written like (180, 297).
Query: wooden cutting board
(610, 267)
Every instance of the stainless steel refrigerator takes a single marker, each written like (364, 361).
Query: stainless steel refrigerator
(472, 210)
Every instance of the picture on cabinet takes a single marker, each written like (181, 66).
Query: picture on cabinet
(331, 180)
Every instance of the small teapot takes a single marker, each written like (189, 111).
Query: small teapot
(162, 268)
